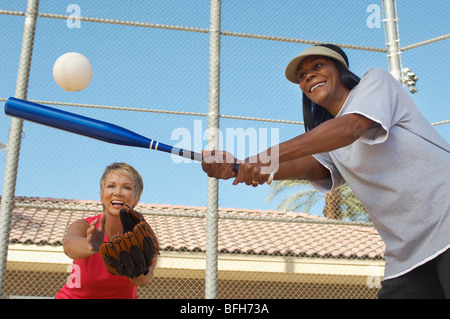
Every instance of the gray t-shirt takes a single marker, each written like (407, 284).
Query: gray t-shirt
(400, 171)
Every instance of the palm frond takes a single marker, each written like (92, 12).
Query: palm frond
(307, 196)
(300, 201)
(303, 199)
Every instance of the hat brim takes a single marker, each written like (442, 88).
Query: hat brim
(292, 68)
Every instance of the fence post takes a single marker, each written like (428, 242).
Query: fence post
(15, 137)
(212, 206)
(392, 39)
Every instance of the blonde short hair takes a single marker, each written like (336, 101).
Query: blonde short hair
(125, 169)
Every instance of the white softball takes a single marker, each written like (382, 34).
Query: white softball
(72, 71)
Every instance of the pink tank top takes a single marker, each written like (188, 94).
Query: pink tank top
(90, 280)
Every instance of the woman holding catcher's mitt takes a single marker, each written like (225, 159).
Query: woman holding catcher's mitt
(113, 252)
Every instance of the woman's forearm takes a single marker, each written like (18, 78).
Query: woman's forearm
(307, 168)
(286, 159)
(142, 280)
(76, 247)
(328, 136)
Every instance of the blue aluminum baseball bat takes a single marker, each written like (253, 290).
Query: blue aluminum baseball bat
(89, 127)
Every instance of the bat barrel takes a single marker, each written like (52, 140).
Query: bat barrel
(74, 123)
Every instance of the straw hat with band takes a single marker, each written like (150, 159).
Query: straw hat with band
(292, 68)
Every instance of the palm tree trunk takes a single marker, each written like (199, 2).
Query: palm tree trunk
(332, 207)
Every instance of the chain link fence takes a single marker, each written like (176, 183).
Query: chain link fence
(151, 63)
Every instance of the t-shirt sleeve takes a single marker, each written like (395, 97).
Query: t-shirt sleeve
(335, 180)
(375, 98)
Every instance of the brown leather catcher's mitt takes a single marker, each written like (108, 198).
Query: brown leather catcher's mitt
(131, 253)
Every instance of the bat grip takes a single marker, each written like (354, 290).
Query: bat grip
(198, 157)
(269, 180)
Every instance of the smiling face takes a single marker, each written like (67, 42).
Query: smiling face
(118, 190)
(321, 82)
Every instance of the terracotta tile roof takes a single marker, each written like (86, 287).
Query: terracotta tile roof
(183, 228)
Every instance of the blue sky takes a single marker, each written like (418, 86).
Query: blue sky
(149, 68)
